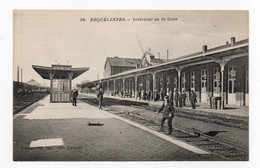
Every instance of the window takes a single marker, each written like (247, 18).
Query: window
(232, 72)
(203, 80)
(231, 79)
(192, 80)
(61, 85)
(216, 79)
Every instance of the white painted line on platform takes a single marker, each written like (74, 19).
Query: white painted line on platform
(165, 137)
(47, 142)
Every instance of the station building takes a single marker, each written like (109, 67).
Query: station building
(220, 72)
(116, 65)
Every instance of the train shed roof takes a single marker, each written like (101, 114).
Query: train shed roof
(60, 71)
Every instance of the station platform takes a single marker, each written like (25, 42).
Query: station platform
(203, 108)
(61, 132)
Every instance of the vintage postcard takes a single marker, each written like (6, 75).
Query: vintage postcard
(130, 85)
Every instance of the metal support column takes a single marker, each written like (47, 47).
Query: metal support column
(114, 86)
(70, 78)
(124, 88)
(51, 74)
(154, 85)
(222, 63)
(136, 91)
(222, 68)
(179, 69)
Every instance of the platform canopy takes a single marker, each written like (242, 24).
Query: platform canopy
(59, 71)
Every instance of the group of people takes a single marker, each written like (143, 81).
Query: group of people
(145, 95)
(180, 99)
(167, 107)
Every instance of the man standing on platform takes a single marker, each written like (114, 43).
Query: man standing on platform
(74, 95)
(183, 97)
(193, 99)
(168, 113)
(100, 98)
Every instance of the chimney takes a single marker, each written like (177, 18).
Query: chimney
(233, 40)
(204, 48)
(227, 43)
(167, 55)
(17, 73)
(158, 55)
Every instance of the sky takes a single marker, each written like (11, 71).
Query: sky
(45, 37)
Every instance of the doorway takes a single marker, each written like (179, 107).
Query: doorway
(231, 85)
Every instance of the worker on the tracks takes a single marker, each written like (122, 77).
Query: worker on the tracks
(100, 98)
(168, 113)
(74, 95)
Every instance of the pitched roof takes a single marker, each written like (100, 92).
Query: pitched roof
(33, 82)
(154, 61)
(123, 62)
(43, 71)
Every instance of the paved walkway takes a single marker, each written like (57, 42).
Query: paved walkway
(242, 111)
(60, 132)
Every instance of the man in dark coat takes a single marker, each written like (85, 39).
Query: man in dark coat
(74, 95)
(193, 99)
(183, 97)
(100, 98)
(168, 113)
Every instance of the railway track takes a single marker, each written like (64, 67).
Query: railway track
(225, 149)
(22, 102)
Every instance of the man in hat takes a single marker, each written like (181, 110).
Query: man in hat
(100, 98)
(183, 98)
(74, 95)
(168, 113)
(193, 99)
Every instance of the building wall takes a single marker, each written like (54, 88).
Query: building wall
(107, 70)
(240, 86)
(117, 70)
(235, 77)
(213, 82)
